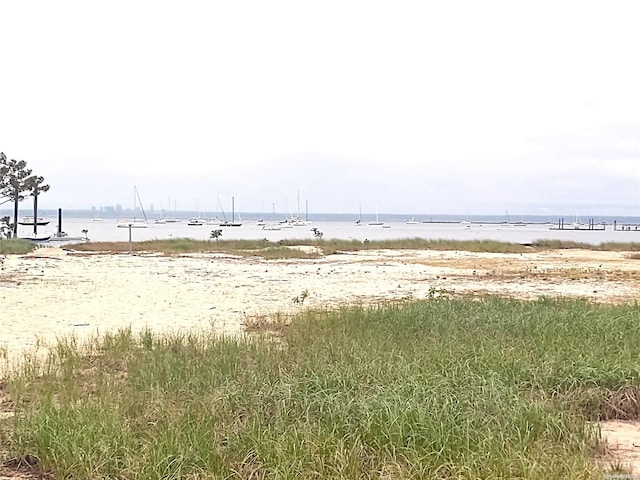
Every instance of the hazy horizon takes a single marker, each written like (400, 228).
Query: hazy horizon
(153, 212)
(467, 108)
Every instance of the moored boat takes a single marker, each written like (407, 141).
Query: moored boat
(30, 221)
(195, 222)
(133, 224)
(40, 238)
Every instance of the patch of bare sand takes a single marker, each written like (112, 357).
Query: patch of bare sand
(622, 450)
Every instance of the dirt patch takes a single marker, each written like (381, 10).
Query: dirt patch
(622, 448)
(22, 469)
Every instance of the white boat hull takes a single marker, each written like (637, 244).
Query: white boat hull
(132, 225)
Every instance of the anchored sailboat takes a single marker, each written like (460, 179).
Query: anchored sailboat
(377, 221)
(233, 222)
(135, 222)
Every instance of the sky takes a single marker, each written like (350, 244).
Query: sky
(457, 107)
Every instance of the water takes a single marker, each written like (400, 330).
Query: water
(107, 230)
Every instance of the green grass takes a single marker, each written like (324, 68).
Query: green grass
(445, 388)
(178, 246)
(281, 250)
(604, 246)
(16, 246)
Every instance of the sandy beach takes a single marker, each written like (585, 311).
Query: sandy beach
(54, 293)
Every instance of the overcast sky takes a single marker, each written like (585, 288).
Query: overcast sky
(470, 107)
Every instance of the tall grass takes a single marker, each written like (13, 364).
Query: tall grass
(16, 246)
(268, 249)
(604, 246)
(280, 248)
(488, 388)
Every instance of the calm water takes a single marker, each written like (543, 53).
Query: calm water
(107, 230)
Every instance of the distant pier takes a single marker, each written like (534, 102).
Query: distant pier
(591, 226)
(626, 227)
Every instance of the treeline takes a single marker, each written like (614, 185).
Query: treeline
(17, 182)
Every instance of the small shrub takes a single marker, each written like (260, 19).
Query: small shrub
(302, 297)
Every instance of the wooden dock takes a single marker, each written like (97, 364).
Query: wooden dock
(591, 226)
(626, 227)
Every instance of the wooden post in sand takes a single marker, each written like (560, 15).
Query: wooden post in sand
(130, 226)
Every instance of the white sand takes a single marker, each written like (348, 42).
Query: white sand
(53, 293)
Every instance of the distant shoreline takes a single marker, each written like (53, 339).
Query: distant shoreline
(489, 219)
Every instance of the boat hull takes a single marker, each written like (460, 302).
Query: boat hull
(133, 225)
(40, 222)
(38, 238)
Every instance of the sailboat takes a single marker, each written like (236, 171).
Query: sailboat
(377, 221)
(296, 221)
(135, 222)
(577, 223)
(173, 219)
(233, 222)
(35, 221)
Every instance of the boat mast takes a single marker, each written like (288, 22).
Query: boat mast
(137, 195)
(222, 209)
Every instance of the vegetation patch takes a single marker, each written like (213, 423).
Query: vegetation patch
(268, 249)
(291, 248)
(605, 246)
(441, 388)
(16, 246)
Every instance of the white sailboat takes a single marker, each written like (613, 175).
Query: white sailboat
(577, 223)
(173, 219)
(377, 221)
(135, 222)
(233, 222)
(295, 220)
